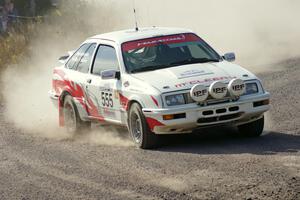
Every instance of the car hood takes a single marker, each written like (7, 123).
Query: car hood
(185, 76)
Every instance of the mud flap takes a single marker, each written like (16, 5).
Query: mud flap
(61, 113)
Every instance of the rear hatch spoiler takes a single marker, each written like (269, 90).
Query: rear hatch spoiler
(63, 59)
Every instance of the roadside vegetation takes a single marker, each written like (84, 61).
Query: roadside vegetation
(53, 22)
(15, 42)
(14, 45)
(25, 44)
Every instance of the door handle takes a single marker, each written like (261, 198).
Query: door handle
(89, 81)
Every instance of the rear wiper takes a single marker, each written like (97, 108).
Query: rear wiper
(195, 60)
(150, 68)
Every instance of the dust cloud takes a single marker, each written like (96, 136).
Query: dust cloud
(26, 87)
(106, 136)
(260, 32)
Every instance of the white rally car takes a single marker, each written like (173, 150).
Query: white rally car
(156, 81)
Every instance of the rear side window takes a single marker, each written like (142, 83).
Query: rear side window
(105, 59)
(74, 61)
(86, 60)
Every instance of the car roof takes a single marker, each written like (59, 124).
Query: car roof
(131, 34)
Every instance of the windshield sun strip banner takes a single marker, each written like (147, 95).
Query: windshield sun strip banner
(150, 42)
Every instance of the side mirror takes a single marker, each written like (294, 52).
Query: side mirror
(63, 59)
(230, 57)
(110, 74)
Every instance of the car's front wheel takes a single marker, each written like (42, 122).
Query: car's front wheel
(139, 129)
(73, 123)
(252, 129)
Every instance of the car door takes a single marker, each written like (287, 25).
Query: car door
(104, 93)
(78, 68)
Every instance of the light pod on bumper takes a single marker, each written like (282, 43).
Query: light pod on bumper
(218, 90)
(236, 87)
(199, 93)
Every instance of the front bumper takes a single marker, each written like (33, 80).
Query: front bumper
(245, 110)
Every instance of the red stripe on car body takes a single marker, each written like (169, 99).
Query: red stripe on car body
(124, 101)
(154, 100)
(152, 123)
(76, 92)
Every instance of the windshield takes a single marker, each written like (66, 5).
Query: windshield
(167, 51)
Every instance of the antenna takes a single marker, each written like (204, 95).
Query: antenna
(135, 19)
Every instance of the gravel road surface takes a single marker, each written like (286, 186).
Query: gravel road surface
(213, 164)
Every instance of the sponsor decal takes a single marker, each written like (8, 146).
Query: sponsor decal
(170, 39)
(218, 90)
(105, 89)
(195, 72)
(236, 87)
(161, 40)
(199, 93)
(188, 83)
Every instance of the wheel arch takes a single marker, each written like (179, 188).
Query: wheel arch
(131, 101)
(149, 138)
(62, 96)
(61, 100)
(135, 99)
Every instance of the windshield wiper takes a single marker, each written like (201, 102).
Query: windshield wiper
(194, 61)
(150, 68)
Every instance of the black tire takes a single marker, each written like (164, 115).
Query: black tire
(252, 129)
(139, 129)
(73, 124)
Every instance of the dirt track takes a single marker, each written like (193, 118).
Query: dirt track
(216, 164)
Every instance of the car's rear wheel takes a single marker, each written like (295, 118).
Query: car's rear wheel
(252, 129)
(73, 123)
(139, 129)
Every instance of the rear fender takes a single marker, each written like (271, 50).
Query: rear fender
(80, 106)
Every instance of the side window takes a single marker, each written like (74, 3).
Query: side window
(106, 58)
(73, 62)
(85, 62)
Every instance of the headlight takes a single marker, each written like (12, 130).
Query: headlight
(251, 88)
(174, 100)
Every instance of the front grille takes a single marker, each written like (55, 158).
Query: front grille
(234, 108)
(219, 118)
(222, 110)
(208, 112)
